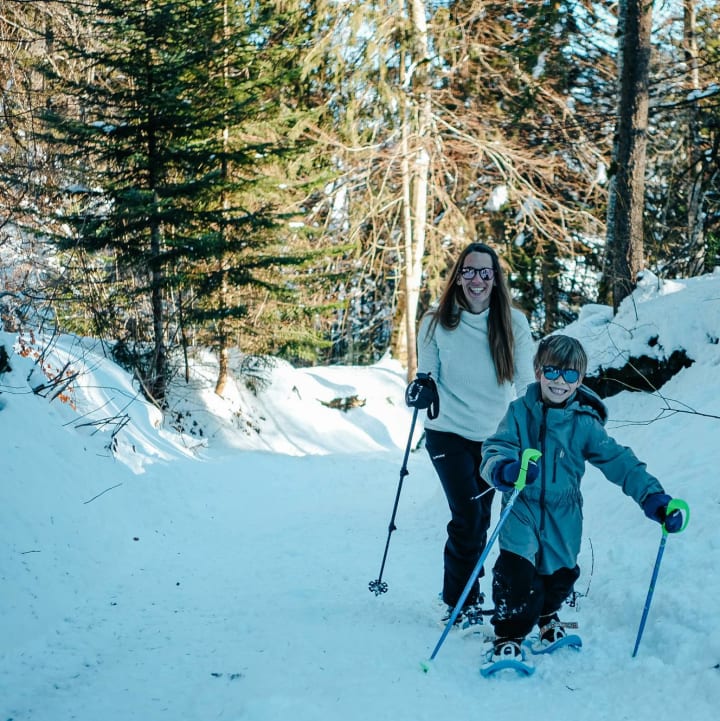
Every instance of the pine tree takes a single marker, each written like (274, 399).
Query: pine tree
(177, 138)
(625, 246)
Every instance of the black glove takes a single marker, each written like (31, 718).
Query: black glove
(422, 393)
(506, 473)
(655, 507)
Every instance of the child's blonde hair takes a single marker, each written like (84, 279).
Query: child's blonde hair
(561, 351)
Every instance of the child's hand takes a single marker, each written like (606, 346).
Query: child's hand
(506, 473)
(674, 522)
(655, 507)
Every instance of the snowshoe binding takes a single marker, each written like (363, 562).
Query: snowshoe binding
(553, 636)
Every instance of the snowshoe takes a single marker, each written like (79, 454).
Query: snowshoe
(506, 654)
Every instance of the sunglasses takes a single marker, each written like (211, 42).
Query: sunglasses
(469, 272)
(570, 375)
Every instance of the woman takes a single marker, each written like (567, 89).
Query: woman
(479, 351)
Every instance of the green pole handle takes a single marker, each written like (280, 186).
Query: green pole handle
(677, 504)
(529, 454)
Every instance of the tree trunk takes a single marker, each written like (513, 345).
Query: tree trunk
(223, 352)
(403, 344)
(624, 259)
(223, 330)
(184, 342)
(416, 175)
(159, 370)
(550, 286)
(696, 235)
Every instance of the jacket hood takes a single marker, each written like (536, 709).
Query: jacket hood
(590, 402)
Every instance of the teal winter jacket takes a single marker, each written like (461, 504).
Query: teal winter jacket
(545, 524)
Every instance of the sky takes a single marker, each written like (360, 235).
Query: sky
(215, 563)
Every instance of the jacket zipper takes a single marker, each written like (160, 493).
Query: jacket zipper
(543, 475)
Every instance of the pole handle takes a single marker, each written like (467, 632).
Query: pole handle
(529, 455)
(677, 504)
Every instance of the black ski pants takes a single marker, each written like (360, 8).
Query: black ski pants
(522, 596)
(457, 463)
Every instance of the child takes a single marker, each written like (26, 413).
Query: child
(540, 539)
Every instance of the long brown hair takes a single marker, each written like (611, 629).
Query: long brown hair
(500, 330)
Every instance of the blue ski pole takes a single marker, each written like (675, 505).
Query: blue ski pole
(675, 504)
(529, 454)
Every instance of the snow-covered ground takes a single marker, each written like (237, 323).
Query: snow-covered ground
(222, 572)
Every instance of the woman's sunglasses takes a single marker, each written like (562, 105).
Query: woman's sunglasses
(468, 272)
(570, 375)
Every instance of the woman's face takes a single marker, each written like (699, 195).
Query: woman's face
(478, 288)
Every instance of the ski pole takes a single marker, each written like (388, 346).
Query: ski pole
(675, 504)
(529, 454)
(379, 586)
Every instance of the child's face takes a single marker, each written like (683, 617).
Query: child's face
(554, 384)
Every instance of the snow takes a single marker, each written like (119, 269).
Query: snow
(497, 199)
(222, 572)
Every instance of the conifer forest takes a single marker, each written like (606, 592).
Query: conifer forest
(293, 178)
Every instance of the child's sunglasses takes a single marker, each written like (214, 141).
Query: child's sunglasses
(570, 375)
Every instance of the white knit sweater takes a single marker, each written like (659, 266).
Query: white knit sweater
(471, 401)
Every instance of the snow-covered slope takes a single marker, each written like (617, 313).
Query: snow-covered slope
(222, 572)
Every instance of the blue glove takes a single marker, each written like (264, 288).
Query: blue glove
(506, 473)
(655, 508)
(674, 521)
